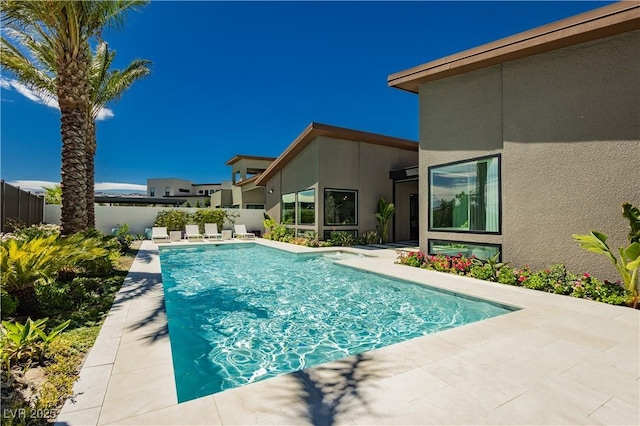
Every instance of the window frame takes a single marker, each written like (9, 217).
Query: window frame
(324, 211)
(282, 208)
(431, 241)
(298, 210)
(497, 156)
(326, 234)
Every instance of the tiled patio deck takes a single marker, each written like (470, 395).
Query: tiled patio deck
(558, 360)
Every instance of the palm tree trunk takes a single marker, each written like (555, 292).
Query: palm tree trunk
(73, 98)
(90, 155)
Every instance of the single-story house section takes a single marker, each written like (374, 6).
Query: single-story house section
(331, 178)
(530, 139)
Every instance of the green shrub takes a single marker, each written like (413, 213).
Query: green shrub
(268, 223)
(26, 264)
(554, 279)
(628, 260)
(9, 303)
(36, 231)
(413, 258)
(483, 272)
(279, 232)
(173, 220)
(123, 238)
(342, 239)
(536, 282)
(506, 275)
(368, 238)
(20, 342)
(203, 216)
(54, 297)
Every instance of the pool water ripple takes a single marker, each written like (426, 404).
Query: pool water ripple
(246, 312)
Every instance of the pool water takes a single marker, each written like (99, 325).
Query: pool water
(245, 312)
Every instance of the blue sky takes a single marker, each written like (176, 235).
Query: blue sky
(247, 77)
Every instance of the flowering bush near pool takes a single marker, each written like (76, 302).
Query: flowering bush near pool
(554, 279)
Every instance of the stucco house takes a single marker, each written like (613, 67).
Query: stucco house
(530, 139)
(330, 179)
(242, 192)
(181, 188)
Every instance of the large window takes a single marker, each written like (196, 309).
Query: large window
(340, 207)
(288, 208)
(456, 248)
(465, 196)
(307, 207)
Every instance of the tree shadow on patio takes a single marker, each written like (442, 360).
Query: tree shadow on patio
(336, 388)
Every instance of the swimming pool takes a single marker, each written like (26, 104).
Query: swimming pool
(239, 313)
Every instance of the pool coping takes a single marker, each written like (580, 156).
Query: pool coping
(556, 360)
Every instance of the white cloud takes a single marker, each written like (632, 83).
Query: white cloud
(104, 113)
(28, 93)
(111, 186)
(38, 185)
(51, 102)
(33, 185)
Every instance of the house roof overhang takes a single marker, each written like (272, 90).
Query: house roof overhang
(603, 22)
(252, 179)
(314, 130)
(237, 158)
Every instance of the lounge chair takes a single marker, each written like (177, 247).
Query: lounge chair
(192, 231)
(159, 233)
(241, 232)
(211, 231)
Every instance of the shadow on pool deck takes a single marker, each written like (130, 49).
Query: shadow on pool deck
(145, 290)
(329, 390)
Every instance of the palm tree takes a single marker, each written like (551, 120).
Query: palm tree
(66, 27)
(106, 85)
(52, 194)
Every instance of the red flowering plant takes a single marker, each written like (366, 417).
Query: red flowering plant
(413, 258)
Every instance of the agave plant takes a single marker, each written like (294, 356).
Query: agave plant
(628, 261)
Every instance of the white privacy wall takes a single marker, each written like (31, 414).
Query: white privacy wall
(138, 218)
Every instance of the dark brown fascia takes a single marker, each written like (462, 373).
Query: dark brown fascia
(237, 158)
(314, 130)
(606, 21)
(248, 181)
